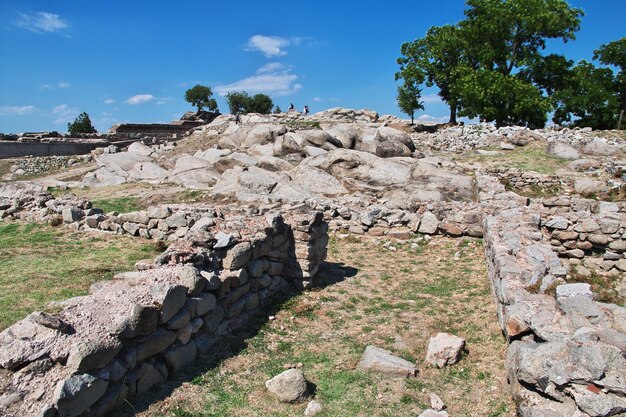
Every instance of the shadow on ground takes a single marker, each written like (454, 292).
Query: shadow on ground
(330, 273)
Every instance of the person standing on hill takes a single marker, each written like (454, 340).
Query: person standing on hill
(306, 111)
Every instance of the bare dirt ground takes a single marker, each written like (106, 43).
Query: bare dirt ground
(369, 295)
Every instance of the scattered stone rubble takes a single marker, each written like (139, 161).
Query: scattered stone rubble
(360, 173)
(134, 332)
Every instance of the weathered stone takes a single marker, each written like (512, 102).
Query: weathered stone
(289, 386)
(158, 212)
(313, 408)
(180, 320)
(171, 298)
(178, 356)
(384, 362)
(158, 341)
(139, 217)
(76, 394)
(92, 354)
(561, 150)
(573, 290)
(190, 278)
(444, 349)
(557, 222)
(147, 377)
(428, 224)
(238, 256)
(72, 214)
(141, 321)
(224, 240)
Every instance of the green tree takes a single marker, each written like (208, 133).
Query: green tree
(409, 95)
(260, 103)
(550, 73)
(508, 100)
(237, 101)
(589, 98)
(439, 58)
(504, 39)
(82, 124)
(278, 110)
(614, 53)
(242, 102)
(200, 96)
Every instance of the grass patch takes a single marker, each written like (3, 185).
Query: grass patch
(385, 304)
(528, 158)
(39, 264)
(120, 204)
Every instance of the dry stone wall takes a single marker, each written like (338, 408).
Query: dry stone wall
(566, 352)
(136, 331)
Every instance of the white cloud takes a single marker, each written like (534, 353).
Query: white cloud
(432, 98)
(139, 99)
(109, 101)
(270, 46)
(64, 114)
(163, 100)
(16, 110)
(60, 84)
(317, 99)
(276, 80)
(432, 119)
(41, 22)
(271, 67)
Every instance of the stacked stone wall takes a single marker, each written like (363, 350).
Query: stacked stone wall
(566, 352)
(136, 331)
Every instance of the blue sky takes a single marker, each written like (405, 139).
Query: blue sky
(131, 61)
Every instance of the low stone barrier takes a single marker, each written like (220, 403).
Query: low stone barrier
(137, 330)
(566, 353)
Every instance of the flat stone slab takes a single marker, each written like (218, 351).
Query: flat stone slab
(384, 362)
(444, 349)
(578, 289)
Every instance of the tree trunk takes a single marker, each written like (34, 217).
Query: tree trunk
(452, 113)
(412, 119)
(619, 121)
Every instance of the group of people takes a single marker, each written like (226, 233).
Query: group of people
(305, 111)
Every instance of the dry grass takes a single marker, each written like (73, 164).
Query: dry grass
(39, 264)
(392, 299)
(528, 158)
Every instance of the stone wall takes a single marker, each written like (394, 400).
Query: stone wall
(136, 331)
(566, 352)
(12, 149)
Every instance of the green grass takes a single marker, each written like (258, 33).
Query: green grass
(526, 159)
(120, 204)
(39, 264)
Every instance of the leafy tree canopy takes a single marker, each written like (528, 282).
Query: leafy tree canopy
(242, 102)
(200, 96)
(82, 124)
(409, 99)
(589, 98)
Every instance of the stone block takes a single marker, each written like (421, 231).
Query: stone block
(178, 356)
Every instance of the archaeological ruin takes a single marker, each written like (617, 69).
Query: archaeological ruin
(275, 188)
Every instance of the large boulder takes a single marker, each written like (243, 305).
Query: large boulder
(385, 133)
(391, 148)
(363, 171)
(122, 161)
(317, 181)
(561, 150)
(346, 133)
(320, 139)
(147, 171)
(139, 148)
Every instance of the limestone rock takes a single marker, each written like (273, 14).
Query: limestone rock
(444, 349)
(384, 362)
(561, 150)
(289, 386)
(313, 408)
